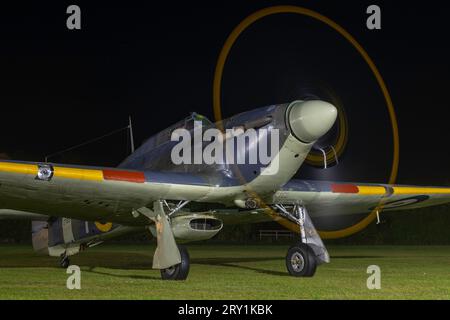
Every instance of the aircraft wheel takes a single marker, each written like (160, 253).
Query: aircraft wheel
(64, 262)
(301, 261)
(179, 271)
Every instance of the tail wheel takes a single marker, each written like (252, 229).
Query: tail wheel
(301, 261)
(64, 262)
(179, 271)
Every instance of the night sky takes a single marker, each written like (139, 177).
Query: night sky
(156, 63)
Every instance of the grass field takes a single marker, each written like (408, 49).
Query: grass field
(228, 272)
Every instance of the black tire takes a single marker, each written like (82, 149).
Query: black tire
(64, 262)
(179, 271)
(301, 261)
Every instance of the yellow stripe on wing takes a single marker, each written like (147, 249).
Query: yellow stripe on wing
(420, 190)
(371, 190)
(75, 173)
(18, 168)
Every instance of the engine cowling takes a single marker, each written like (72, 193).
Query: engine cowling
(195, 227)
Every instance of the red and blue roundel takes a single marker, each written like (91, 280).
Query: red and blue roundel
(403, 202)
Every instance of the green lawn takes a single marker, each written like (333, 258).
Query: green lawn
(228, 272)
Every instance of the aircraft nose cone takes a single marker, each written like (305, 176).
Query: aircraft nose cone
(309, 120)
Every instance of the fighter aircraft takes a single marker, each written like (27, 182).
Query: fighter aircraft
(76, 207)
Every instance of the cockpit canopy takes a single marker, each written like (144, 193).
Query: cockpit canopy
(187, 123)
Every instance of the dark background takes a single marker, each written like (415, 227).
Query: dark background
(156, 61)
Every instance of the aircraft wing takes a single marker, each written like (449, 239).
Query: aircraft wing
(324, 198)
(339, 209)
(89, 193)
(113, 195)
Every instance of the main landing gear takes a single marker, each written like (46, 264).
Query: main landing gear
(303, 257)
(172, 260)
(179, 271)
(301, 261)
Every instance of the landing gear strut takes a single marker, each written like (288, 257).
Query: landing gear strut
(170, 259)
(64, 261)
(303, 257)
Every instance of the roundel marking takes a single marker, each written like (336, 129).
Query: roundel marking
(103, 227)
(403, 202)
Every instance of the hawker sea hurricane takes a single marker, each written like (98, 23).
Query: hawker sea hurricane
(181, 198)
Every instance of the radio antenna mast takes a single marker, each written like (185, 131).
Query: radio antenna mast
(130, 127)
